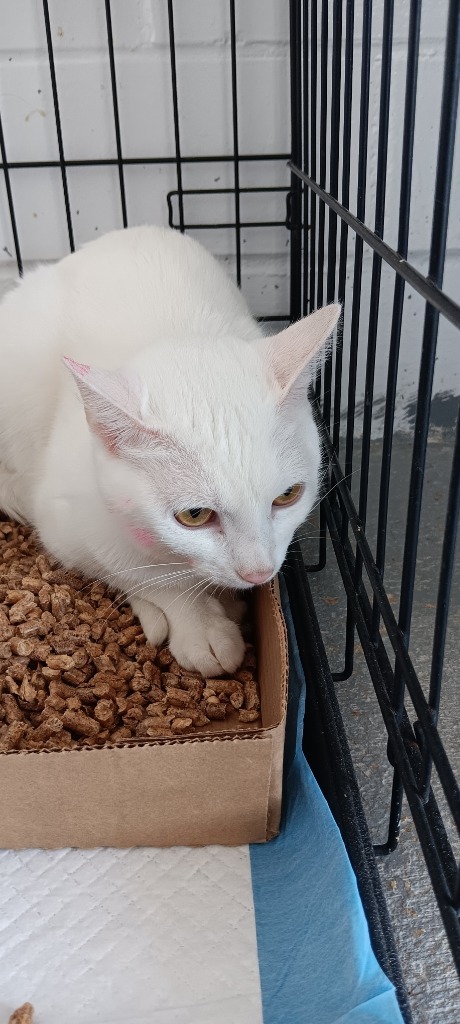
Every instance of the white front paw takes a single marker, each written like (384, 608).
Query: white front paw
(209, 643)
(152, 620)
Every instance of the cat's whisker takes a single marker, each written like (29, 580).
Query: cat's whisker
(213, 592)
(170, 577)
(303, 536)
(140, 587)
(297, 554)
(155, 580)
(327, 493)
(337, 483)
(205, 584)
(286, 567)
(306, 537)
(199, 594)
(183, 593)
(135, 592)
(134, 568)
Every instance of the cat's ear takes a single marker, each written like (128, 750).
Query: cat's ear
(112, 406)
(297, 348)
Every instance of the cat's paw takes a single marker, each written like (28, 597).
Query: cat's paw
(211, 643)
(152, 620)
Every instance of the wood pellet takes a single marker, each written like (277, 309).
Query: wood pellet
(23, 1015)
(76, 669)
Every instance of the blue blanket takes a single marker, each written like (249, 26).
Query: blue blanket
(315, 959)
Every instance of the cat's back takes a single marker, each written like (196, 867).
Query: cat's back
(102, 305)
(144, 284)
(117, 295)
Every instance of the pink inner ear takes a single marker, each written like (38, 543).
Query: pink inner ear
(80, 368)
(291, 351)
(104, 434)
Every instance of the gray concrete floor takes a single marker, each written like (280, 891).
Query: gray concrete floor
(431, 977)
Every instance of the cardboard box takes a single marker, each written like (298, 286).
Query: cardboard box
(216, 787)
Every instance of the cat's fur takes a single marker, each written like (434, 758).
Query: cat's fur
(184, 403)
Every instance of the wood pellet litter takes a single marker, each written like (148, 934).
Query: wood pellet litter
(24, 1015)
(76, 669)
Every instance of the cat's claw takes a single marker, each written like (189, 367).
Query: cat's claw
(152, 620)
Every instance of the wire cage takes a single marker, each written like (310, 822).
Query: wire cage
(328, 196)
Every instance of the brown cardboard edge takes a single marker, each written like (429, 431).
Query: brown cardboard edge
(277, 730)
(267, 601)
(133, 744)
(283, 639)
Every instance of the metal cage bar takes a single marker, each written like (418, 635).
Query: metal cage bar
(361, 212)
(346, 157)
(9, 196)
(179, 161)
(236, 165)
(116, 116)
(57, 117)
(323, 107)
(414, 750)
(382, 156)
(443, 599)
(398, 300)
(445, 161)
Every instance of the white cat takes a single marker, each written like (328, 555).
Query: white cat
(179, 454)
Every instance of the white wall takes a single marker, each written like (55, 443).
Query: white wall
(204, 84)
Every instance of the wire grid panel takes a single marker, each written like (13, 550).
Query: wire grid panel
(340, 178)
(108, 110)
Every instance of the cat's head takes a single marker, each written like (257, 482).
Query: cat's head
(208, 448)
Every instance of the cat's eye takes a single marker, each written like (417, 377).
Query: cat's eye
(289, 496)
(195, 516)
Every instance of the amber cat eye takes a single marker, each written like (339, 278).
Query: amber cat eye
(195, 516)
(289, 496)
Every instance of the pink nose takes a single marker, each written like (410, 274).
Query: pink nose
(256, 577)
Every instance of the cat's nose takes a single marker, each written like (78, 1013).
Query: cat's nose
(257, 578)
